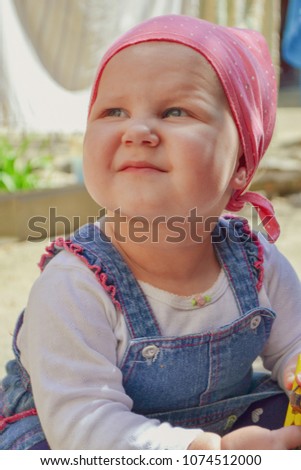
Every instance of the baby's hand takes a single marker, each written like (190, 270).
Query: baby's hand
(206, 441)
(255, 437)
(250, 438)
(289, 373)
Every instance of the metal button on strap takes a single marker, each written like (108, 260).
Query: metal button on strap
(230, 421)
(254, 323)
(150, 352)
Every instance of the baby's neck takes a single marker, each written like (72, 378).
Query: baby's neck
(182, 270)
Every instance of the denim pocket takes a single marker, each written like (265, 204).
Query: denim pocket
(166, 374)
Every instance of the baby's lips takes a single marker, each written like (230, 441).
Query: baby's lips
(139, 164)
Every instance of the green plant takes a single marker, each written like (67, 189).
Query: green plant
(18, 171)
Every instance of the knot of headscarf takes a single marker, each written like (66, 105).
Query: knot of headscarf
(242, 62)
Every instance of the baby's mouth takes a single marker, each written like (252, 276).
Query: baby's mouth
(139, 166)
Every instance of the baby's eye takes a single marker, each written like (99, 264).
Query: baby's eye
(115, 112)
(174, 112)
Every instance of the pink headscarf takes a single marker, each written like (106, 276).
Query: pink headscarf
(244, 67)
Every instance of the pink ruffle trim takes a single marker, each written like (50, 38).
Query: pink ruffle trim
(61, 243)
(4, 420)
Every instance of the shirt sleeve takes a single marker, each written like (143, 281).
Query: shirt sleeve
(68, 347)
(284, 292)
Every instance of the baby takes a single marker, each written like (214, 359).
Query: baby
(142, 329)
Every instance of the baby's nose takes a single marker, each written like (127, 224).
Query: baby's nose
(140, 134)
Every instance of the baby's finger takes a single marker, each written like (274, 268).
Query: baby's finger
(287, 438)
(298, 379)
(288, 379)
(290, 371)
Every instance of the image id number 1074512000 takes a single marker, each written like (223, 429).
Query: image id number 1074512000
(218, 459)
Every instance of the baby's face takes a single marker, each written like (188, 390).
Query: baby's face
(160, 138)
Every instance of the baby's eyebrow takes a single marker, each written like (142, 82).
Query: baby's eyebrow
(109, 101)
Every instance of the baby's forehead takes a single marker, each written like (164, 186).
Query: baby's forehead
(164, 56)
(162, 50)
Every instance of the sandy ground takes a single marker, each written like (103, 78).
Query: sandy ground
(18, 270)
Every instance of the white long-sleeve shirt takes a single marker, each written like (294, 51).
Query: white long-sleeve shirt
(73, 338)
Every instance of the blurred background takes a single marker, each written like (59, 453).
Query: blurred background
(49, 53)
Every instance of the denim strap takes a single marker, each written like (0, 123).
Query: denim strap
(137, 312)
(235, 250)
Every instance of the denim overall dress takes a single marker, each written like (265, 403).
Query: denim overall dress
(202, 380)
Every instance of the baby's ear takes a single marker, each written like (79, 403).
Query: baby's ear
(239, 178)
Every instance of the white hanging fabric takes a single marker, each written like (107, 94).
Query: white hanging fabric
(30, 100)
